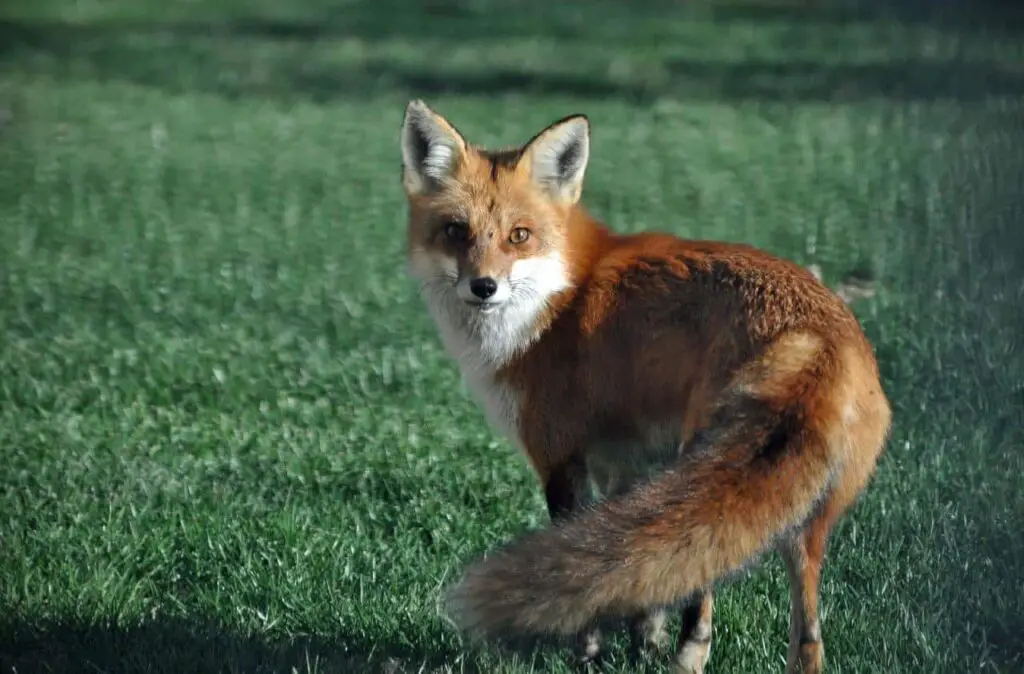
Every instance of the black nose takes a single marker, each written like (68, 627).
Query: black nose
(483, 287)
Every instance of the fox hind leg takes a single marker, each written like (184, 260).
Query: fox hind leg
(695, 635)
(648, 630)
(804, 553)
(803, 556)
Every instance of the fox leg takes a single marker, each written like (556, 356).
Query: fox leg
(803, 556)
(695, 635)
(567, 490)
(648, 629)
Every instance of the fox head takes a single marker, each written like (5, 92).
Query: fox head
(487, 231)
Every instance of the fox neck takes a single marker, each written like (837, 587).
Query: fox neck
(489, 341)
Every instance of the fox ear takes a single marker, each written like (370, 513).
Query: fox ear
(557, 158)
(431, 148)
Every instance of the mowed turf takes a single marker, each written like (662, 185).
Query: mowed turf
(230, 438)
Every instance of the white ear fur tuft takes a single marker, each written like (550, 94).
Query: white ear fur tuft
(558, 158)
(431, 148)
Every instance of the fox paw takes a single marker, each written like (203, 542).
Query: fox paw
(589, 647)
(649, 634)
(693, 656)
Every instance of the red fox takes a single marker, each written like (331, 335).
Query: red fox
(723, 401)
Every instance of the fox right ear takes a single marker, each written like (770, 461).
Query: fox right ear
(557, 158)
(431, 148)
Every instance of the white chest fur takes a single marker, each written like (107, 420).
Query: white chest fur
(500, 403)
(481, 345)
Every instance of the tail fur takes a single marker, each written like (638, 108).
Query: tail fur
(759, 471)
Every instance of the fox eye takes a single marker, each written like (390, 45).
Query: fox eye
(519, 235)
(456, 231)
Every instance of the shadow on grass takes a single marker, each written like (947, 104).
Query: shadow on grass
(813, 81)
(987, 14)
(307, 59)
(175, 646)
(589, 21)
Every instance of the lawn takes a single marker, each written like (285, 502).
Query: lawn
(231, 440)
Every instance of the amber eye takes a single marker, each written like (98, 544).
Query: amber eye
(456, 231)
(519, 235)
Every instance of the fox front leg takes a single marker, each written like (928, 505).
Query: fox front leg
(568, 489)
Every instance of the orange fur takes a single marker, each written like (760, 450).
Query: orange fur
(726, 402)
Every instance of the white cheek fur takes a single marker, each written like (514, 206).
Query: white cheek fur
(429, 266)
(542, 276)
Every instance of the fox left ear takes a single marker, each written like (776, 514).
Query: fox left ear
(557, 158)
(431, 148)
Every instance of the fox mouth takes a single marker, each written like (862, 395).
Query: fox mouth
(482, 306)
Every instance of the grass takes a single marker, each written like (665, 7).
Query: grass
(231, 440)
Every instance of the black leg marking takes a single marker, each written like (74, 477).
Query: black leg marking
(565, 489)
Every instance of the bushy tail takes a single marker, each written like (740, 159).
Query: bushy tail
(756, 474)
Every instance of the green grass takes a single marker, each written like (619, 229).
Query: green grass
(231, 440)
